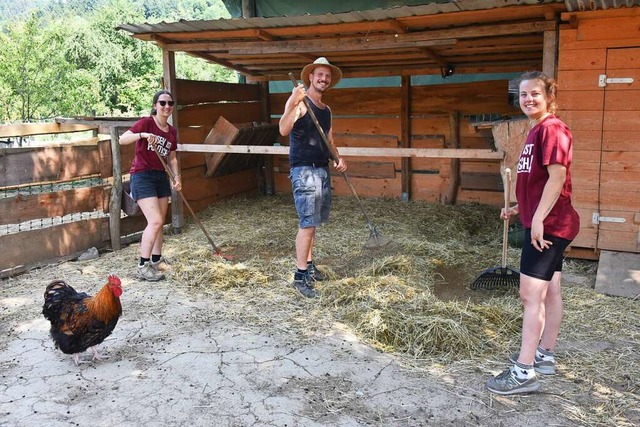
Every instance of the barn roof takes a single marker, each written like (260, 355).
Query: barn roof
(474, 36)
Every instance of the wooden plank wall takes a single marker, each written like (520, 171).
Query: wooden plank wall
(370, 117)
(200, 104)
(606, 151)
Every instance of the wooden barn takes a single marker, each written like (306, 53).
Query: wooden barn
(397, 94)
(425, 110)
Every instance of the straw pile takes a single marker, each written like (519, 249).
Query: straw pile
(387, 295)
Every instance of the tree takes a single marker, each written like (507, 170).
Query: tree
(38, 82)
(66, 57)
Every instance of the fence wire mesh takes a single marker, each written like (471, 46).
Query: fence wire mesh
(46, 188)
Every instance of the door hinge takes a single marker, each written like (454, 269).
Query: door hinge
(603, 81)
(597, 219)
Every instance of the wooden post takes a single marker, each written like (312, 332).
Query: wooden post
(169, 78)
(116, 190)
(549, 53)
(269, 180)
(454, 183)
(248, 7)
(405, 141)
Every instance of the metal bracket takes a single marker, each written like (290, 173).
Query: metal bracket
(597, 219)
(603, 81)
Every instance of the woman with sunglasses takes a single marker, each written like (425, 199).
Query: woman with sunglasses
(150, 186)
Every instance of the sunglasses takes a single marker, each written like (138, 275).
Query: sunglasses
(163, 103)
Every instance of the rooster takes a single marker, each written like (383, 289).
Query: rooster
(80, 321)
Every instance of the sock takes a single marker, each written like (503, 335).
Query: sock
(143, 260)
(299, 274)
(155, 258)
(544, 354)
(309, 263)
(523, 372)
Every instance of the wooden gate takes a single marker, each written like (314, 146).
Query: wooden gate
(618, 216)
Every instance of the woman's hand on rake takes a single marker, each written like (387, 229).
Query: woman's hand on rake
(507, 213)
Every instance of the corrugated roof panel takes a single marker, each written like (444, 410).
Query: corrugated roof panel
(584, 5)
(338, 18)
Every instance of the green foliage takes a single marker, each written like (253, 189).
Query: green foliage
(66, 57)
(38, 82)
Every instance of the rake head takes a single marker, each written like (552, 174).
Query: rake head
(375, 240)
(496, 277)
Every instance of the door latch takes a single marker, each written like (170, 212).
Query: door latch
(603, 81)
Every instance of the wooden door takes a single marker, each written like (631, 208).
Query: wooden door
(618, 216)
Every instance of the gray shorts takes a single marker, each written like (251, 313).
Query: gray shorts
(311, 194)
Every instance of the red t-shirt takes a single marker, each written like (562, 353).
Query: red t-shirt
(549, 142)
(145, 159)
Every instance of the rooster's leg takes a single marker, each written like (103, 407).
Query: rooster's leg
(96, 355)
(76, 358)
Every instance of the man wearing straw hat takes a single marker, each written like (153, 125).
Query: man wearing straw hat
(309, 163)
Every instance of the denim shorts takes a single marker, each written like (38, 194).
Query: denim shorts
(311, 194)
(145, 184)
(542, 265)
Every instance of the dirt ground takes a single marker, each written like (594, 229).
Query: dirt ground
(180, 356)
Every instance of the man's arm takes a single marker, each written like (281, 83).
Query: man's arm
(339, 162)
(293, 110)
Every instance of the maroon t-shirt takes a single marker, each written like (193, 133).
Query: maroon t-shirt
(549, 142)
(145, 159)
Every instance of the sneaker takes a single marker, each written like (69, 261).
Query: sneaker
(147, 272)
(508, 383)
(161, 265)
(302, 285)
(541, 366)
(314, 274)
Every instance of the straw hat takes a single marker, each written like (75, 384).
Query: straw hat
(336, 74)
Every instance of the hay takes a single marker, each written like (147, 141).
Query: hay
(386, 295)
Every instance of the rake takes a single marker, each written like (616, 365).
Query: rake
(216, 249)
(503, 276)
(375, 240)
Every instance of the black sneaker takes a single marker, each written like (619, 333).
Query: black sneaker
(314, 274)
(302, 285)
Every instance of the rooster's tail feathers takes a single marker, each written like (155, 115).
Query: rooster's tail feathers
(55, 294)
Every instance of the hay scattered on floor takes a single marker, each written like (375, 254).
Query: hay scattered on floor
(387, 295)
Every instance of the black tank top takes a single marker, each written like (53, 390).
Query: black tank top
(306, 147)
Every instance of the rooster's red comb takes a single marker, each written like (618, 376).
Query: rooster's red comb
(114, 280)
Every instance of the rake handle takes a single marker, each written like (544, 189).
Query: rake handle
(333, 156)
(184, 199)
(507, 202)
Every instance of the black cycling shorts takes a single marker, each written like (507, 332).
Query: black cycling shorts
(542, 265)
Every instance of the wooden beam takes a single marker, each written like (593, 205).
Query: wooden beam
(405, 141)
(433, 55)
(269, 179)
(454, 183)
(441, 153)
(115, 204)
(347, 44)
(28, 129)
(397, 26)
(413, 39)
(264, 35)
(169, 83)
